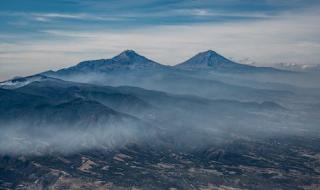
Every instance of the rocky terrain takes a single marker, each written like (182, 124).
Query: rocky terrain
(278, 163)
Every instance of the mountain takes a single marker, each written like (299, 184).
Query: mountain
(49, 99)
(127, 61)
(131, 69)
(48, 110)
(131, 62)
(131, 123)
(63, 91)
(212, 61)
(37, 110)
(40, 124)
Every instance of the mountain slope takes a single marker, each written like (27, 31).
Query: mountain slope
(210, 60)
(32, 124)
(127, 61)
(36, 110)
(63, 91)
(131, 69)
(22, 81)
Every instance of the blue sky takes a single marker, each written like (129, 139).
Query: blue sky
(38, 35)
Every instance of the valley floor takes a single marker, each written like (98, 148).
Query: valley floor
(277, 163)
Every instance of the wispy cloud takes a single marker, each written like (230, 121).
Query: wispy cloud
(49, 16)
(290, 39)
(76, 16)
(212, 13)
(142, 16)
(265, 32)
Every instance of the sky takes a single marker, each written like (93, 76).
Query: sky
(40, 35)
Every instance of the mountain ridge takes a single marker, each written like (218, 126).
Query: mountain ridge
(211, 60)
(130, 61)
(126, 60)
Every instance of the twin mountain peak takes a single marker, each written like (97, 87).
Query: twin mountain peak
(129, 57)
(130, 60)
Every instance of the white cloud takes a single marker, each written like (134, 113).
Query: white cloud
(49, 16)
(207, 13)
(284, 38)
(76, 16)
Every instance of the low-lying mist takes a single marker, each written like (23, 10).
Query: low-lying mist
(166, 110)
(18, 139)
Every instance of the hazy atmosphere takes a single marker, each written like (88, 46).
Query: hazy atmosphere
(170, 94)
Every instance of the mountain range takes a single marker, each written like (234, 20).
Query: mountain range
(130, 121)
(131, 69)
(130, 88)
(130, 60)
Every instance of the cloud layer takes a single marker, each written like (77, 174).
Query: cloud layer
(265, 32)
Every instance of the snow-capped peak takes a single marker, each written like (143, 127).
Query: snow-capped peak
(207, 59)
(131, 57)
